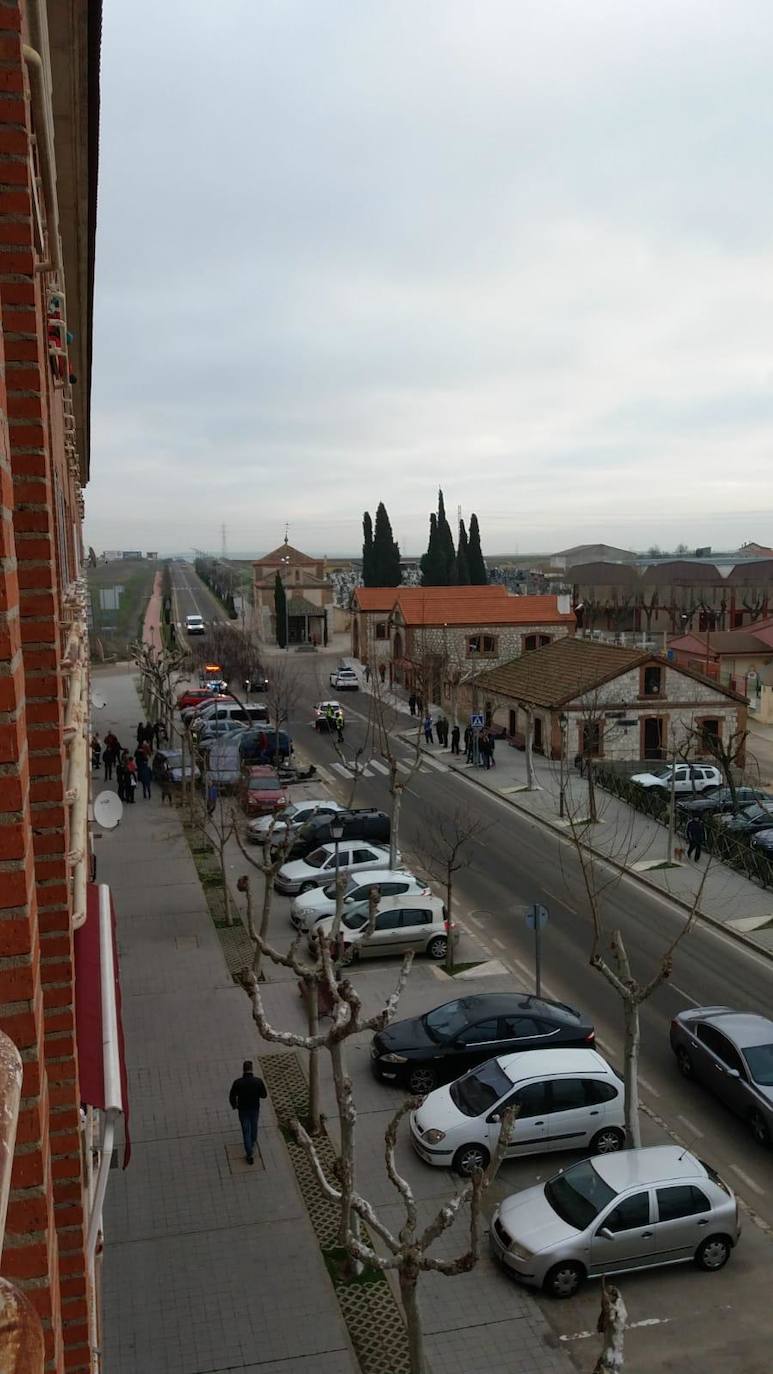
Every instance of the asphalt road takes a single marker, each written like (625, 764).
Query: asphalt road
(515, 862)
(191, 597)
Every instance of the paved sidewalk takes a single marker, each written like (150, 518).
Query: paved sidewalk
(209, 1265)
(624, 836)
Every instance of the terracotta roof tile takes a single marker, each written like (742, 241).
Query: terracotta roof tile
(376, 598)
(476, 606)
(296, 557)
(561, 670)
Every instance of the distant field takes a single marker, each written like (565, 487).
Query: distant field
(112, 630)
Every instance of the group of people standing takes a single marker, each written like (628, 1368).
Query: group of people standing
(131, 770)
(478, 744)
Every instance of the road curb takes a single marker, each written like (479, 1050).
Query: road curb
(739, 936)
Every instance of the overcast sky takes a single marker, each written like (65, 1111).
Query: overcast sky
(352, 249)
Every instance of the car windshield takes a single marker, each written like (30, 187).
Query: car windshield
(661, 773)
(288, 813)
(480, 1089)
(760, 1061)
(446, 1022)
(355, 920)
(263, 785)
(330, 891)
(317, 859)
(578, 1194)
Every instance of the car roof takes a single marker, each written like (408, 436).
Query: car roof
(652, 1164)
(533, 1063)
(383, 875)
(505, 1003)
(329, 845)
(745, 1028)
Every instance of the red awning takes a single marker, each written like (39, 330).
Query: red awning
(90, 1033)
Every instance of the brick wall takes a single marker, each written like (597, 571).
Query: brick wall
(44, 1239)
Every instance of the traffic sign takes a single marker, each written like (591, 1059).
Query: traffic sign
(476, 721)
(536, 916)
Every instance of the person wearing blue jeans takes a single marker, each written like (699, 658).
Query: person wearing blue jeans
(245, 1097)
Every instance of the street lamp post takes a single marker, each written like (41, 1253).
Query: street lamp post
(337, 832)
(562, 722)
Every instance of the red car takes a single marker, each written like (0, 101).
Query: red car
(194, 696)
(260, 791)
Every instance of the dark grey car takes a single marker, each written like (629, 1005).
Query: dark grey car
(731, 1053)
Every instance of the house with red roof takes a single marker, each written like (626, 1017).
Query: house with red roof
(307, 588)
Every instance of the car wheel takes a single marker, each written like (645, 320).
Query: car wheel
(713, 1253)
(608, 1141)
(437, 948)
(306, 887)
(760, 1129)
(469, 1159)
(563, 1280)
(684, 1062)
(422, 1081)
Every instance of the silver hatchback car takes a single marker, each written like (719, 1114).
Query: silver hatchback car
(731, 1053)
(634, 1210)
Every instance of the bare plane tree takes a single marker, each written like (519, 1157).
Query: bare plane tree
(610, 957)
(385, 721)
(728, 754)
(446, 846)
(407, 1251)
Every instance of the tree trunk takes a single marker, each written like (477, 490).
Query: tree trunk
(612, 1325)
(631, 1048)
(229, 920)
(397, 797)
(449, 903)
(312, 1005)
(265, 913)
(593, 814)
(410, 1299)
(531, 777)
(346, 1121)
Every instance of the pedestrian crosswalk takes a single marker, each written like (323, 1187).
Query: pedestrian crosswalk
(367, 769)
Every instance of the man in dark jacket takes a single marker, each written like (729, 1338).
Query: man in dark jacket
(455, 740)
(245, 1098)
(696, 836)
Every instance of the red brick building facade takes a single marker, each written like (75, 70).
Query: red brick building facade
(48, 151)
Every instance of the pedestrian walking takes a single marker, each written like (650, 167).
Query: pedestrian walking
(367, 674)
(120, 774)
(696, 837)
(339, 724)
(96, 751)
(245, 1097)
(491, 743)
(455, 739)
(157, 731)
(144, 774)
(419, 705)
(428, 737)
(140, 732)
(382, 672)
(412, 704)
(110, 754)
(443, 730)
(469, 744)
(130, 785)
(147, 734)
(166, 784)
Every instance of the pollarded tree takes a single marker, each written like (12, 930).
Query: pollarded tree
(386, 552)
(478, 574)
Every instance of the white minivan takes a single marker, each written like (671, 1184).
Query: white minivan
(569, 1099)
(228, 710)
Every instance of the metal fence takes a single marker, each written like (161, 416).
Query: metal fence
(734, 850)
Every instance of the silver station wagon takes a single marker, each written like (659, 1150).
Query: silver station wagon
(605, 1215)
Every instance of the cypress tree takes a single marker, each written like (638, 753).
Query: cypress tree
(368, 579)
(280, 611)
(446, 551)
(386, 552)
(478, 574)
(431, 567)
(462, 559)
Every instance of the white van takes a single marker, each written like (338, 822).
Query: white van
(228, 710)
(194, 625)
(569, 1099)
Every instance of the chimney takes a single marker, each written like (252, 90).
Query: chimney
(564, 603)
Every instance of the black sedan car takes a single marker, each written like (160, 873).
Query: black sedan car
(757, 816)
(721, 801)
(444, 1043)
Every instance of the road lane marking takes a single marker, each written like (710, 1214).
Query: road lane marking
(685, 995)
(379, 766)
(629, 1326)
(748, 1181)
(323, 774)
(688, 1123)
(499, 943)
(435, 763)
(648, 1087)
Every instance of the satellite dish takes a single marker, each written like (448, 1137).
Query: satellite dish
(98, 701)
(108, 810)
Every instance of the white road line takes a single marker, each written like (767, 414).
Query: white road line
(323, 774)
(435, 763)
(748, 1181)
(685, 995)
(687, 1122)
(475, 921)
(499, 943)
(379, 766)
(648, 1087)
(342, 769)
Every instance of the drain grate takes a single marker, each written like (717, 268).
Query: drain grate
(237, 948)
(373, 1318)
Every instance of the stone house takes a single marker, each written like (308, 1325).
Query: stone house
(309, 595)
(371, 609)
(441, 637)
(735, 658)
(611, 702)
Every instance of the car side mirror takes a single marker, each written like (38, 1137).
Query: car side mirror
(605, 1232)
(495, 1118)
